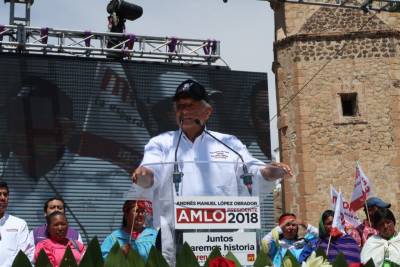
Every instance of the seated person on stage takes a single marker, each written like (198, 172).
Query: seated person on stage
(285, 237)
(383, 248)
(337, 242)
(14, 233)
(133, 233)
(57, 242)
(192, 111)
(51, 205)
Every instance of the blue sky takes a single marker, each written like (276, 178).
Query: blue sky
(244, 27)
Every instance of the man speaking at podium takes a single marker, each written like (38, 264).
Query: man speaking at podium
(194, 143)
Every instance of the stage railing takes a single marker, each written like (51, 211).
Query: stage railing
(25, 39)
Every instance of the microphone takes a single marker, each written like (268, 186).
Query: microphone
(177, 174)
(246, 176)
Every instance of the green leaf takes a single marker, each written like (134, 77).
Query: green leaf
(215, 253)
(340, 261)
(116, 257)
(21, 260)
(69, 259)
(289, 257)
(232, 257)
(43, 260)
(134, 259)
(155, 259)
(392, 264)
(262, 260)
(93, 256)
(186, 257)
(321, 253)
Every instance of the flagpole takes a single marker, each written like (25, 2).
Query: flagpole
(366, 207)
(336, 213)
(329, 243)
(330, 235)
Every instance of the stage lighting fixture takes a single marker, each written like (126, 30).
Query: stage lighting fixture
(120, 11)
(124, 10)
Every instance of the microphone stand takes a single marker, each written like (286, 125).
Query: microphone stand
(177, 174)
(246, 176)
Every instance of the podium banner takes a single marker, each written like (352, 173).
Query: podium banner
(216, 212)
(242, 244)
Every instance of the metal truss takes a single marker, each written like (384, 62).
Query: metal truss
(26, 19)
(365, 5)
(25, 39)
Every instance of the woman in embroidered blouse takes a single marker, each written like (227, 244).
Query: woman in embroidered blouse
(285, 238)
(133, 234)
(57, 243)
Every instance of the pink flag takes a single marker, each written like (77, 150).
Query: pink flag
(362, 189)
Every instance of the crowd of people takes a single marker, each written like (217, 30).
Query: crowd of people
(374, 239)
(55, 236)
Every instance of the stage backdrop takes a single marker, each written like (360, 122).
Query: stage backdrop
(77, 127)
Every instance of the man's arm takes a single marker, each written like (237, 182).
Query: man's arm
(270, 172)
(153, 153)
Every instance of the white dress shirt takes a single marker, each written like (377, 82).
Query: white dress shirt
(220, 177)
(14, 237)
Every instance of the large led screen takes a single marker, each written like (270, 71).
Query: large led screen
(76, 127)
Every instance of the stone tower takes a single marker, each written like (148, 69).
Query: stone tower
(338, 88)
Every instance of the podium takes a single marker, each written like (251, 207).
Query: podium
(207, 204)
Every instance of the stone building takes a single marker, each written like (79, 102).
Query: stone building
(338, 87)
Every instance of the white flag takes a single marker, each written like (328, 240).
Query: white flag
(339, 222)
(362, 189)
(350, 216)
